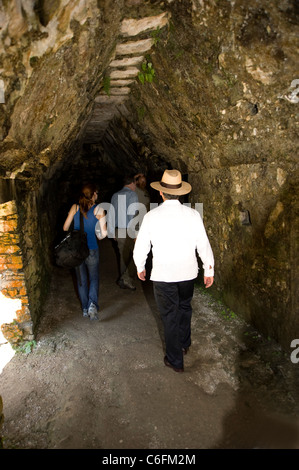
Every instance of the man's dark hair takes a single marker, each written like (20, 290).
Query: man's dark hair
(128, 179)
(171, 196)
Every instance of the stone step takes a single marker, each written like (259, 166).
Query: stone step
(130, 72)
(119, 83)
(102, 113)
(132, 27)
(105, 99)
(134, 47)
(127, 61)
(118, 91)
(124, 68)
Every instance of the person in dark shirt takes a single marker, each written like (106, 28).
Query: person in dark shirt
(124, 204)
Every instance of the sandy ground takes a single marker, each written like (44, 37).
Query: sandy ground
(103, 385)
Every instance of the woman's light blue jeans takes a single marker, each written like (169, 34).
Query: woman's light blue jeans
(88, 274)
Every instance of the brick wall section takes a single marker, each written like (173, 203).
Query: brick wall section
(12, 279)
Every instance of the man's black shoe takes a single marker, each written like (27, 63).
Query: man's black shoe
(167, 363)
(124, 285)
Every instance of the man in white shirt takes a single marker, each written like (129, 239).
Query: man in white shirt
(174, 232)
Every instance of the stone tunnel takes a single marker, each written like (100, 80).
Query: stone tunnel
(90, 90)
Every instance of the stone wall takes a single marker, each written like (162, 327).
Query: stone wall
(253, 230)
(15, 318)
(223, 110)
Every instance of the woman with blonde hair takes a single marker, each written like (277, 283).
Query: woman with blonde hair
(88, 271)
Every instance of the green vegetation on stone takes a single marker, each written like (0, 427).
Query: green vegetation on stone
(26, 347)
(106, 85)
(147, 73)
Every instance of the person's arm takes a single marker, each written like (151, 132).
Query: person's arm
(208, 281)
(205, 253)
(141, 249)
(70, 217)
(142, 275)
(103, 225)
(101, 216)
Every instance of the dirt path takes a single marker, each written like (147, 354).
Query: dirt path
(103, 385)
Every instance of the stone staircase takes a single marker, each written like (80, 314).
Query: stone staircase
(122, 71)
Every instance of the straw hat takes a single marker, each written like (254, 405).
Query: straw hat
(171, 183)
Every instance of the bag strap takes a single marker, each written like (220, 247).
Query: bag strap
(81, 223)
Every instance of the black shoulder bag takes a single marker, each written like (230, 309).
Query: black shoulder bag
(73, 249)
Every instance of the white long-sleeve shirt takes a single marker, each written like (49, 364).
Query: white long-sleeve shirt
(175, 233)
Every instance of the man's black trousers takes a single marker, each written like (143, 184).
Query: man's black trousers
(174, 304)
